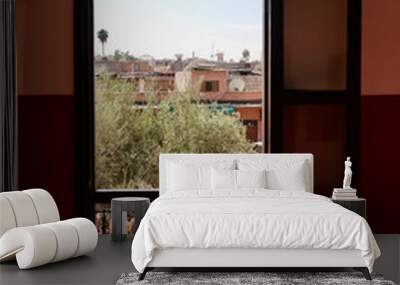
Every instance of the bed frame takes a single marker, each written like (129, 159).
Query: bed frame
(246, 259)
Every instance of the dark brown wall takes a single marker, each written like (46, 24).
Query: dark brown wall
(380, 114)
(45, 98)
(380, 141)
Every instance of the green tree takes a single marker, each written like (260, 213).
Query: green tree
(102, 35)
(129, 137)
(128, 56)
(119, 55)
(246, 55)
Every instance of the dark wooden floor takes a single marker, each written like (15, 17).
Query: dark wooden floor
(110, 260)
(103, 266)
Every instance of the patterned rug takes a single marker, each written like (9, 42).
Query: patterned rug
(243, 278)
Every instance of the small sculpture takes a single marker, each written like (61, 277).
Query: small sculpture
(347, 174)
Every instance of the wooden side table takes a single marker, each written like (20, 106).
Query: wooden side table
(120, 207)
(358, 205)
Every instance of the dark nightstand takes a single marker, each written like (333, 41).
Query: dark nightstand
(120, 209)
(358, 206)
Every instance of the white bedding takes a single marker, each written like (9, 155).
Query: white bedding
(251, 218)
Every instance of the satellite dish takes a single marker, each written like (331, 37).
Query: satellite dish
(237, 84)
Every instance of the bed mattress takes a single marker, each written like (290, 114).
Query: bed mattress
(250, 219)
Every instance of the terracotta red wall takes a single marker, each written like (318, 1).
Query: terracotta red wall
(45, 98)
(380, 114)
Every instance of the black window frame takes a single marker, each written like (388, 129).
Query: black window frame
(350, 97)
(209, 86)
(85, 192)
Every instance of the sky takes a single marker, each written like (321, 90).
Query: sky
(163, 28)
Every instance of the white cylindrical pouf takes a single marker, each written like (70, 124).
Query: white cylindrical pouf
(31, 232)
(87, 234)
(45, 205)
(23, 207)
(34, 246)
(7, 218)
(67, 240)
(40, 244)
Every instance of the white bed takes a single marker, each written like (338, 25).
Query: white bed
(249, 227)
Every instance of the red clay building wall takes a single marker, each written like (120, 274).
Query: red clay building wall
(252, 114)
(212, 75)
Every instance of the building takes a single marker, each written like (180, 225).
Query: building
(234, 84)
(161, 82)
(240, 89)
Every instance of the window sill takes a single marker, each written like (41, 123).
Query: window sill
(127, 190)
(105, 195)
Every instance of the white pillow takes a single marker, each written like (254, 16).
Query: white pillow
(251, 178)
(289, 175)
(226, 179)
(223, 179)
(292, 179)
(188, 177)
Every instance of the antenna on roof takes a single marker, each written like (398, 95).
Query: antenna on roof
(212, 49)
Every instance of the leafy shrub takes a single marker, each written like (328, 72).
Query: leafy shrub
(130, 137)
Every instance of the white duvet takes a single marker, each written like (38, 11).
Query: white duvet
(250, 219)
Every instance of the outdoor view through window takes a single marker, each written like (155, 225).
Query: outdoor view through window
(174, 76)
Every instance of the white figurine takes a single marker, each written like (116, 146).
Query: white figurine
(347, 174)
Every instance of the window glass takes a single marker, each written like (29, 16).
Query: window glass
(320, 130)
(174, 77)
(315, 55)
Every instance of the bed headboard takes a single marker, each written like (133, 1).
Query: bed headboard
(203, 158)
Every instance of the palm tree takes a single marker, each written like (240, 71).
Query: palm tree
(102, 35)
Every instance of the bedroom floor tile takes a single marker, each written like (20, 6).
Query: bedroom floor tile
(103, 266)
(110, 260)
(389, 262)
